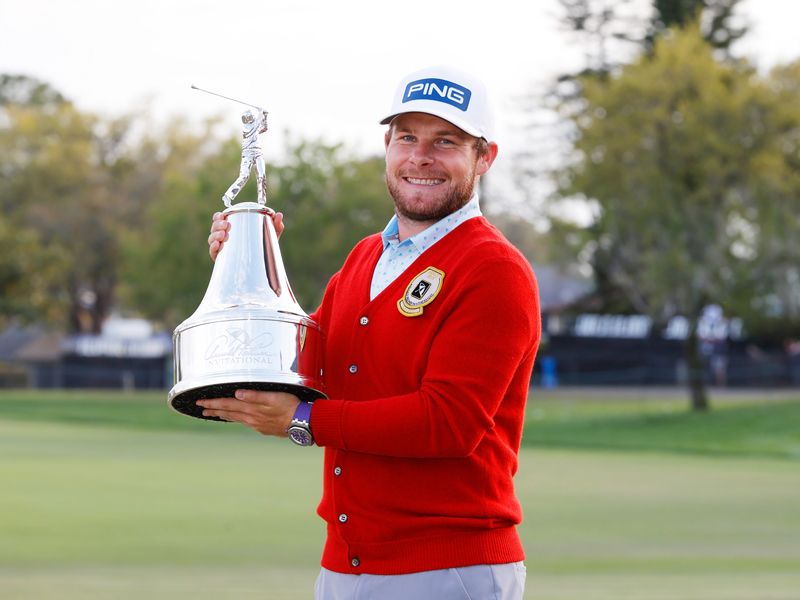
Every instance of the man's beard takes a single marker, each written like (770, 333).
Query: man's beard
(455, 198)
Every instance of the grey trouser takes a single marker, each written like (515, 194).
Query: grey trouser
(479, 582)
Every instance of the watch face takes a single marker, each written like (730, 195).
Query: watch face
(300, 436)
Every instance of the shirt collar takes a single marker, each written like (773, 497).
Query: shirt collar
(429, 236)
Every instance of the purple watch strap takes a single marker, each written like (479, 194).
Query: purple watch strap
(303, 413)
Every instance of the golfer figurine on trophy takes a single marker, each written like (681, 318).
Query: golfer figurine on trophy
(254, 122)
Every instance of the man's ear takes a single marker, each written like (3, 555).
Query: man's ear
(485, 161)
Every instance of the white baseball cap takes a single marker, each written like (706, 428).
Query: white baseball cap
(449, 94)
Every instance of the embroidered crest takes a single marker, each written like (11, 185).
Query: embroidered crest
(420, 292)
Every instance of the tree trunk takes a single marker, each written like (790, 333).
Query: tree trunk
(698, 395)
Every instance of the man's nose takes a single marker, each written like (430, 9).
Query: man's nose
(422, 154)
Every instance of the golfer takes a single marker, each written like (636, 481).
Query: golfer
(432, 328)
(252, 154)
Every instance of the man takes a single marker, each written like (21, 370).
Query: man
(431, 333)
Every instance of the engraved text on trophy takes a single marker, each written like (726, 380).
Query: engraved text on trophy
(237, 347)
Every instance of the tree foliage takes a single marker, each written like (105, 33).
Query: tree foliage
(690, 165)
(28, 91)
(56, 192)
(773, 301)
(719, 24)
(607, 27)
(32, 279)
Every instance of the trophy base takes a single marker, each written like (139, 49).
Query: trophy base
(186, 402)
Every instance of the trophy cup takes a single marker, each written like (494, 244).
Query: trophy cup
(249, 332)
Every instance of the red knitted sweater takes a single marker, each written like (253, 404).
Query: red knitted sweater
(423, 425)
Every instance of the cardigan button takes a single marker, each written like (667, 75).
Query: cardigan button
(342, 518)
(353, 369)
(355, 562)
(364, 320)
(337, 471)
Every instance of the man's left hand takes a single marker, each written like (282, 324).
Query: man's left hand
(269, 413)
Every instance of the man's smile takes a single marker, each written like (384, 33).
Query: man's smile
(420, 181)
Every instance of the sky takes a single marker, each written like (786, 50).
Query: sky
(323, 69)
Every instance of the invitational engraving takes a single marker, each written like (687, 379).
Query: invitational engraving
(237, 347)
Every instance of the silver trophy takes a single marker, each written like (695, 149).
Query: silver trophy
(249, 332)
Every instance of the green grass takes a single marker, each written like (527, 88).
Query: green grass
(740, 424)
(88, 495)
(107, 495)
(141, 410)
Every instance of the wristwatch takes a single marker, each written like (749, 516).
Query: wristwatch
(299, 429)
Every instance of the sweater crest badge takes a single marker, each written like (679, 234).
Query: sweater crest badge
(422, 290)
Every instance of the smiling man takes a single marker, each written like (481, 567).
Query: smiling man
(431, 168)
(431, 330)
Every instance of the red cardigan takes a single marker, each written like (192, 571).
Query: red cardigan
(424, 418)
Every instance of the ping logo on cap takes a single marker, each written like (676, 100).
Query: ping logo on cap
(439, 90)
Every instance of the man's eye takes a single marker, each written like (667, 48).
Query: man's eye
(446, 142)
(407, 138)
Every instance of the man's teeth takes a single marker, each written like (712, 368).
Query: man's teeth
(416, 181)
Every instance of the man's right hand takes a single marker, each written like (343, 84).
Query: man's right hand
(220, 228)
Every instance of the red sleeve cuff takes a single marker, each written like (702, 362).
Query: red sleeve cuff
(326, 422)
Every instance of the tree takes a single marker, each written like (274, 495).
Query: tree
(28, 91)
(55, 191)
(683, 159)
(45, 152)
(612, 33)
(774, 304)
(610, 28)
(720, 26)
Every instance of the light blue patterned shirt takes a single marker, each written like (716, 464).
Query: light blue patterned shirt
(397, 255)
